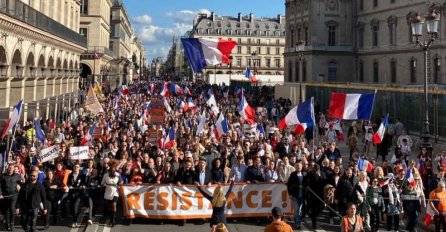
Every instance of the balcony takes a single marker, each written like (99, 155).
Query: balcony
(100, 51)
(18, 10)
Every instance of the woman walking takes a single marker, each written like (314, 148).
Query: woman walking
(218, 201)
(351, 222)
(111, 180)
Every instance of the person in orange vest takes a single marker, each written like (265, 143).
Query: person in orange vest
(278, 225)
(351, 222)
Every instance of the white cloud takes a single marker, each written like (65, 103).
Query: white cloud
(185, 16)
(143, 19)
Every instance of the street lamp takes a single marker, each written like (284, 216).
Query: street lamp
(230, 67)
(431, 21)
(300, 47)
(254, 58)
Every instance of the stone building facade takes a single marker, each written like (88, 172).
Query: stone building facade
(260, 41)
(39, 55)
(364, 41)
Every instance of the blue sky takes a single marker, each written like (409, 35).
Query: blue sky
(156, 21)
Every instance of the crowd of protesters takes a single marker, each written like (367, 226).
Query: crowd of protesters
(310, 164)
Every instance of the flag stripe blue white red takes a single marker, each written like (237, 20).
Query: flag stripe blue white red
(221, 127)
(351, 106)
(302, 114)
(246, 111)
(88, 136)
(379, 135)
(14, 119)
(365, 165)
(202, 52)
(250, 75)
(409, 177)
(165, 90)
(169, 141)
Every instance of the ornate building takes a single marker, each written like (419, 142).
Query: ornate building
(365, 41)
(39, 56)
(260, 41)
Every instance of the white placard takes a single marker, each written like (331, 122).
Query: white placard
(49, 153)
(79, 153)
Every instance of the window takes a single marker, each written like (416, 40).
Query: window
(375, 3)
(83, 32)
(239, 49)
(413, 70)
(361, 4)
(393, 71)
(249, 41)
(361, 37)
(298, 33)
(249, 50)
(331, 35)
(277, 51)
(375, 72)
(239, 62)
(361, 71)
(332, 71)
(84, 7)
(304, 71)
(410, 34)
(277, 63)
(258, 41)
(437, 70)
(259, 50)
(297, 74)
(239, 41)
(392, 29)
(290, 71)
(268, 62)
(268, 50)
(277, 42)
(375, 30)
(112, 31)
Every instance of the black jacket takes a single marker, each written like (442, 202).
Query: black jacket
(31, 195)
(9, 184)
(345, 191)
(295, 185)
(51, 194)
(254, 174)
(207, 176)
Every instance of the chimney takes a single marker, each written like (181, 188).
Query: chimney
(239, 17)
(212, 16)
(279, 18)
(251, 17)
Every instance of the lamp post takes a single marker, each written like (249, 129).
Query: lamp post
(300, 47)
(230, 67)
(431, 20)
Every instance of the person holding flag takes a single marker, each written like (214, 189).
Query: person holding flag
(411, 205)
(437, 204)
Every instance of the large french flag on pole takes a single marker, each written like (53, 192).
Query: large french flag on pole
(221, 127)
(14, 119)
(351, 106)
(302, 115)
(246, 111)
(169, 141)
(379, 135)
(202, 52)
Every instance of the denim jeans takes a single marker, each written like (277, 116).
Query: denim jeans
(298, 210)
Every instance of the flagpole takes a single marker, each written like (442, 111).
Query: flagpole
(373, 106)
(15, 129)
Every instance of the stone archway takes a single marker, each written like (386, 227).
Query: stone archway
(85, 75)
(42, 74)
(30, 66)
(17, 65)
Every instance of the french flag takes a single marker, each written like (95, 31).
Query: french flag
(167, 105)
(182, 105)
(174, 88)
(169, 141)
(430, 213)
(301, 115)
(379, 135)
(351, 106)
(212, 103)
(202, 52)
(365, 165)
(409, 177)
(151, 89)
(124, 90)
(186, 90)
(246, 111)
(88, 136)
(221, 127)
(14, 119)
(165, 90)
(250, 75)
(191, 105)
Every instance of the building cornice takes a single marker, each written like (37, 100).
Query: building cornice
(22, 29)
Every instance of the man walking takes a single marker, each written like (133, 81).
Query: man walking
(9, 193)
(278, 225)
(31, 198)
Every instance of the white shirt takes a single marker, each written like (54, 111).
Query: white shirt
(111, 186)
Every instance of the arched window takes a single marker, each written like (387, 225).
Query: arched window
(332, 71)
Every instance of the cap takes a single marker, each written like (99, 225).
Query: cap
(276, 212)
(33, 149)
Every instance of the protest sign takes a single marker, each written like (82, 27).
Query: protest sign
(186, 202)
(49, 153)
(79, 153)
(157, 110)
